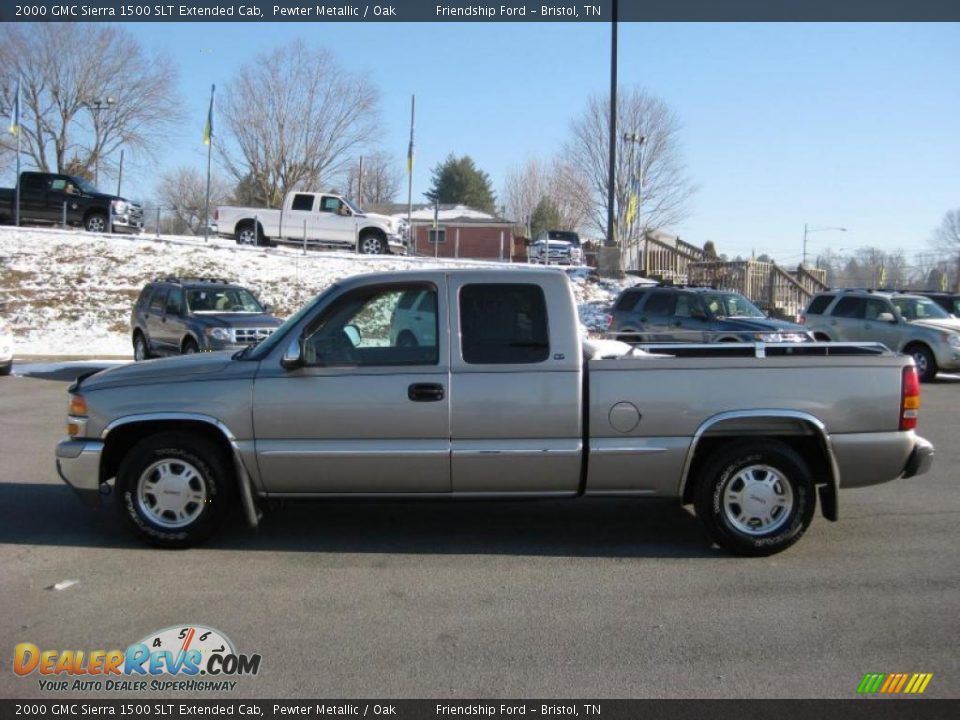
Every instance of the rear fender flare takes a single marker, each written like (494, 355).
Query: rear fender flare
(828, 492)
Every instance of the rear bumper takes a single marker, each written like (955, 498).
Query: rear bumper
(78, 465)
(865, 459)
(920, 460)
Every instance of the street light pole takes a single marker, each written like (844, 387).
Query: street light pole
(95, 107)
(807, 230)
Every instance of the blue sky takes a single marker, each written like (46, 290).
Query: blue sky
(831, 124)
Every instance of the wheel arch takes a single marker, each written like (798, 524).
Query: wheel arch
(803, 432)
(122, 434)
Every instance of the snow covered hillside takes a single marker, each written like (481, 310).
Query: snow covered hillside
(71, 293)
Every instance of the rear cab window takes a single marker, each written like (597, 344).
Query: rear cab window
(819, 304)
(503, 324)
(660, 302)
(850, 307)
(629, 300)
(159, 301)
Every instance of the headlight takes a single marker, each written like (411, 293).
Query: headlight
(953, 340)
(119, 206)
(770, 337)
(221, 334)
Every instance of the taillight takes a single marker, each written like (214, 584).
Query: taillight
(609, 320)
(216, 213)
(909, 398)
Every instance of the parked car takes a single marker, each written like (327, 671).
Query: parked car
(186, 315)
(6, 350)
(556, 246)
(324, 218)
(413, 322)
(42, 199)
(506, 401)
(948, 301)
(905, 323)
(665, 313)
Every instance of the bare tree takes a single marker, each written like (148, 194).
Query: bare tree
(64, 69)
(666, 188)
(297, 119)
(528, 185)
(946, 239)
(182, 195)
(382, 177)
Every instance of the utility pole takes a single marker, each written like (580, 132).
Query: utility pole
(95, 107)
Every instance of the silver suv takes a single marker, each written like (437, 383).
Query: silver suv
(905, 323)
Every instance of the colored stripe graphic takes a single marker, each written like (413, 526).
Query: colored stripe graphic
(894, 683)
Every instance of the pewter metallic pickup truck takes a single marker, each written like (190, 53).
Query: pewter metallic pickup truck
(489, 392)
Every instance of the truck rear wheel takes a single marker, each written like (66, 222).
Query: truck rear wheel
(248, 234)
(173, 489)
(755, 497)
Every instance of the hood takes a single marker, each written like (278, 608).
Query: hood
(948, 324)
(238, 319)
(186, 367)
(107, 197)
(390, 222)
(760, 325)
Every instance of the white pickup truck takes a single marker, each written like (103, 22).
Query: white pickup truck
(319, 218)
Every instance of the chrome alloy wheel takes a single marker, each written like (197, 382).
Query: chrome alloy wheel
(247, 236)
(758, 500)
(371, 245)
(171, 493)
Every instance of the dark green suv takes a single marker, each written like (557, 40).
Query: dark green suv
(177, 316)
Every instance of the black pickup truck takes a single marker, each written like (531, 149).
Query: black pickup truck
(42, 198)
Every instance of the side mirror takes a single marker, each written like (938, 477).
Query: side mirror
(293, 356)
(886, 317)
(353, 332)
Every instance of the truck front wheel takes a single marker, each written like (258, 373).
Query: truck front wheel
(755, 497)
(372, 244)
(173, 489)
(96, 222)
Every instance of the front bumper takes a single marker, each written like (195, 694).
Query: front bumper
(78, 465)
(397, 244)
(920, 459)
(128, 223)
(948, 357)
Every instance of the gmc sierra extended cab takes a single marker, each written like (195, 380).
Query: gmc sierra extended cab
(43, 197)
(491, 393)
(317, 218)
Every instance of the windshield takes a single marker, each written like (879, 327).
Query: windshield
(353, 206)
(919, 309)
(723, 305)
(263, 349)
(565, 235)
(222, 300)
(84, 184)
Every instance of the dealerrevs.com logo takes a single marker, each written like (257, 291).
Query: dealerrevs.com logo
(177, 658)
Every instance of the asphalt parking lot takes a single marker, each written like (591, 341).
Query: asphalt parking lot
(552, 599)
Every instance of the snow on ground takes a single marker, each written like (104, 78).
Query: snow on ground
(70, 293)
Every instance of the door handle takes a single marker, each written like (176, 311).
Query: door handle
(425, 392)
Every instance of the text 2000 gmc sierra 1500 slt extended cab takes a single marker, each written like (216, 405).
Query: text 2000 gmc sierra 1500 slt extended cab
(486, 390)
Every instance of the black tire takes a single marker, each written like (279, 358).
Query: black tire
(190, 347)
(925, 361)
(6, 368)
(247, 233)
(96, 222)
(141, 349)
(820, 337)
(372, 244)
(770, 474)
(170, 468)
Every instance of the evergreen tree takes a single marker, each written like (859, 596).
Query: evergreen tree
(458, 181)
(545, 216)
